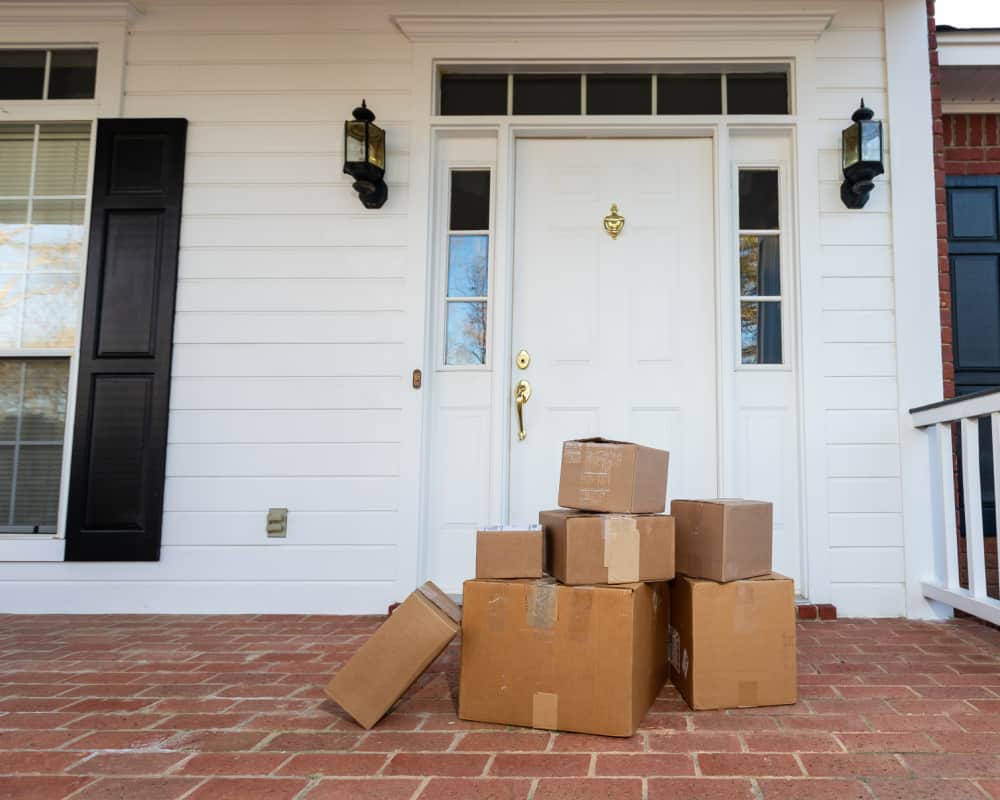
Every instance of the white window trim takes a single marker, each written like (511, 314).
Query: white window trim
(103, 25)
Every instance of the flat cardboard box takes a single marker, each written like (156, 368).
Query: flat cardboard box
(723, 540)
(732, 645)
(608, 548)
(510, 551)
(613, 477)
(590, 659)
(396, 654)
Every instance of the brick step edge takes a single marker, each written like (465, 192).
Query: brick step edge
(815, 611)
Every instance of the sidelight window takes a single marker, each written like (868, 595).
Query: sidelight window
(760, 267)
(43, 185)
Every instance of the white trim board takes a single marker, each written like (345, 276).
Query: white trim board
(462, 27)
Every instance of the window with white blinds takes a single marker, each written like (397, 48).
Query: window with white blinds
(43, 187)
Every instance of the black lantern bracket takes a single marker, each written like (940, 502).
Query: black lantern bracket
(364, 157)
(862, 159)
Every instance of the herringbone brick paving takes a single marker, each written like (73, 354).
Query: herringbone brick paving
(220, 707)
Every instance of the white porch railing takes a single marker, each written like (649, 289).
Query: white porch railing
(937, 420)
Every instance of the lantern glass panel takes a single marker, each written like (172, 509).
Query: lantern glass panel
(354, 142)
(851, 145)
(871, 140)
(376, 146)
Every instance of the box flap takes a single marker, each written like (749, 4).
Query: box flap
(448, 606)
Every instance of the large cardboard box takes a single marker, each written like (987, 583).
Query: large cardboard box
(573, 658)
(396, 654)
(732, 645)
(608, 548)
(723, 540)
(613, 477)
(507, 551)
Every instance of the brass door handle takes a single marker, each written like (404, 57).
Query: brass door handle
(522, 394)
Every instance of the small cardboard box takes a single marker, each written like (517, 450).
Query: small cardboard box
(573, 658)
(613, 477)
(510, 551)
(396, 654)
(723, 540)
(732, 645)
(608, 548)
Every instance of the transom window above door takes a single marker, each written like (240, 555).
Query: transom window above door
(643, 92)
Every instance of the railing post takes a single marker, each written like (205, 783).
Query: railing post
(972, 497)
(943, 498)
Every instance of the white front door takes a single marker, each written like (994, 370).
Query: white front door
(620, 333)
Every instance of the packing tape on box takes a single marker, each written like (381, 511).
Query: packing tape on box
(542, 605)
(545, 710)
(454, 613)
(621, 549)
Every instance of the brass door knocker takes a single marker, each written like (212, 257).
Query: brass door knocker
(614, 222)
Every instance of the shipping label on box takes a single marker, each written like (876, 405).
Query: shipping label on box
(614, 477)
(732, 645)
(576, 658)
(587, 548)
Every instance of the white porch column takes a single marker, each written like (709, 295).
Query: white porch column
(914, 237)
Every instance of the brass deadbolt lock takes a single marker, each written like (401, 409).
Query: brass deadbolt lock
(523, 359)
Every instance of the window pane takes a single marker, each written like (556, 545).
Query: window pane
(72, 74)
(16, 143)
(11, 303)
(63, 155)
(50, 311)
(760, 332)
(466, 342)
(758, 199)
(689, 94)
(57, 235)
(13, 235)
(467, 266)
(36, 494)
(764, 93)
(22, 74)
(43, 413)
(546, 94)
(619, 94)
(473, 95)
(10, 401)
(760, 265)
(470, 200)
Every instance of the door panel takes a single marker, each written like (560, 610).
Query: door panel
(621, 332)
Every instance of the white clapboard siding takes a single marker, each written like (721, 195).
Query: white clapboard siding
(857, 293)
(316, 230)
(284, 168)
(270, 18)
(300, 137)
(869, 599)
(859, 325)
(272, 327)
(867, 228)
(862, 460)
(838, 44)
(283, 460)
(855, 392)
(369, 260)
(328, 106)
(293, 360)
(153, 47)
(861, 427)
(866, 564)
(849, 359)
(263, 199)
(213, 392)
(301, 492)
(866, 530)
(248, 528)
(286, 294)
(830, 202)
(285, 426)
(849, 260)
(877, 495)
(282, 77)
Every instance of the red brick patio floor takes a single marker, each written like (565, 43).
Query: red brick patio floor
(232, 708)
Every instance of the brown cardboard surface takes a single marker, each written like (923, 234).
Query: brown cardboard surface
(396, 655)
(724, 539)
(585, 548)
(510, 552)
(732, 645)
(614, 477)
(574, 658)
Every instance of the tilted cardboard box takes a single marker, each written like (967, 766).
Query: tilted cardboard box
(613, 477)
(723, 540)
(573, 658)
(732, 645)
(396, 654)
(608, 548)
(510, 551)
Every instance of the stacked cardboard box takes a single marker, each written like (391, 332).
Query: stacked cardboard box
(589, 646)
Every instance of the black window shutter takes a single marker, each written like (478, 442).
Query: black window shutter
(118, 463)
